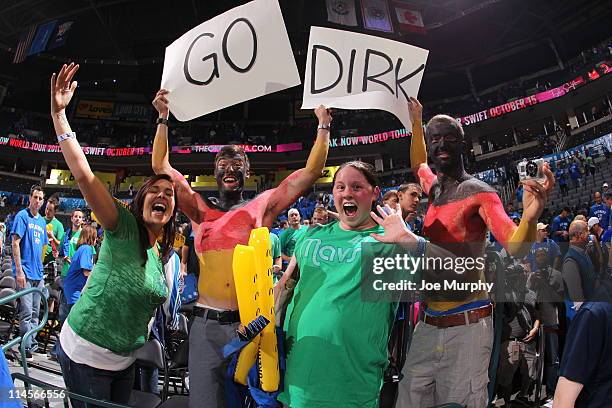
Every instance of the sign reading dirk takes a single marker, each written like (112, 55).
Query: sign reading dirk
(239, 55)
(357, 71)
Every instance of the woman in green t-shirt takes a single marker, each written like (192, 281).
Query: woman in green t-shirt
(110, 319)
(336, 341)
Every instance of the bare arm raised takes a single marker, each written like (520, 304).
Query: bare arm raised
(191, 203)
(93, 190)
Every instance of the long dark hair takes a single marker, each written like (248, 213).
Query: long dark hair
(169, 230)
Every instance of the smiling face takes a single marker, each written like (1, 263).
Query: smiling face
(353, 197)
(445, 142)
(231, 172)
(158, 205)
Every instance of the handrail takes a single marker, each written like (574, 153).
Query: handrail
(32, 331)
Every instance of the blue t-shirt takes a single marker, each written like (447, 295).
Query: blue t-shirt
(602, 212)
(559, 224)
(560, 176)
(587, 356)
(33, 233)
(75, 280)
(552, 249)
(574, 171)
(607, 236)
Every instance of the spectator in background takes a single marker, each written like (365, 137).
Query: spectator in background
(599, 209)
(71, 239)
(80, 267)
(409, 199)
(390, 198)
(289, 237)
(574, 171)
(512, 213)
(277, 260)
(561, 177)
(2, 237)
(608, 201)
(55, 230)
(547, 283)
(586, 369)
(578, 272)
(548, 245)
(319, 217)
(589, 165)
(597, 251)
(604, 188)
(29, 237)
(559, 229)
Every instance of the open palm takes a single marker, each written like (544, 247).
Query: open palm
(393, 223)
(62, 87)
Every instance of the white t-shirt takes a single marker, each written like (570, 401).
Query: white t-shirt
(82, 351)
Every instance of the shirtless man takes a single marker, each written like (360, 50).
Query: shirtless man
(450, 351)
(220, 225)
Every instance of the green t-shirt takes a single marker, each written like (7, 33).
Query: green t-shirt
(72, 247)
(121, 294)
(58, 233)
(289, 237)
(276, 247)
(336, 342)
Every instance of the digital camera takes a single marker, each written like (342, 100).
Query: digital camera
(531, 170)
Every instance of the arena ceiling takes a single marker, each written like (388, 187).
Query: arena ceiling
(493, 41)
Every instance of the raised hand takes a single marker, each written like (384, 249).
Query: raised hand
(536, 194)
(161, 102)
(62, 87)
(415, 110)
(393, 223)
(324, 115)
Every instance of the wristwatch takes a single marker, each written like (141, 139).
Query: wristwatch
(161, 121)
(326, 127)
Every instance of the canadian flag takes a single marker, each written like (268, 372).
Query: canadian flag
(409, 20)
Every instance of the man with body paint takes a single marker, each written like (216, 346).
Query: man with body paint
(450, 351)
(220, 225)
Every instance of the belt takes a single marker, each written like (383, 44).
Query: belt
(459, 319)
(223, 317)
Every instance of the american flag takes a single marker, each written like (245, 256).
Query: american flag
(24, 44)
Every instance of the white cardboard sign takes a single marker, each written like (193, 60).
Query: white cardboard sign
(358, 71)
(239, 55)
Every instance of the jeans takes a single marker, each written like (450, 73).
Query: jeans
(29, 308)
(114, 386)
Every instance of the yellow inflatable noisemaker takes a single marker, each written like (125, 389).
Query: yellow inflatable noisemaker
(252, 267)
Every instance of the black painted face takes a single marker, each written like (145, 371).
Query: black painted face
(445, 146)
(231, 173)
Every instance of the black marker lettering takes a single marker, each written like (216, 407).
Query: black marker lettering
(224, 46)
(315, 48)
(215, 72)
(372, 78)
(398, 82)
(349, 82)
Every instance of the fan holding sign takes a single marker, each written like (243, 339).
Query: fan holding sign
(239, 55)
(358, 71)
